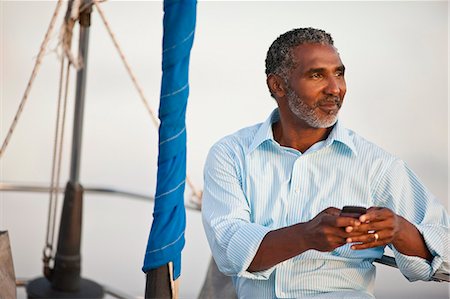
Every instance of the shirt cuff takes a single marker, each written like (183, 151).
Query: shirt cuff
(416, 268)
(243, 247)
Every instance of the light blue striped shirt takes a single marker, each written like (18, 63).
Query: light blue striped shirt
(253, 185)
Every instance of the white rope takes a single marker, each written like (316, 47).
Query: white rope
(61, 137)
(33, 76)
(127, 65)
(52, 203)
(57, 157)
(196, 194)
(67, 33)
(155, 120)
(65, 43)
(77, 64)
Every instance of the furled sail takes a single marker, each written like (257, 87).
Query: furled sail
(166, 239)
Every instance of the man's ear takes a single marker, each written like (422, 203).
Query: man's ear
(276, 86)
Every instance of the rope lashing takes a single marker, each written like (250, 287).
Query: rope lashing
(67, 33)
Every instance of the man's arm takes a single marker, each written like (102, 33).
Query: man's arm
(421, 243)
(325, 232)
(231, 235)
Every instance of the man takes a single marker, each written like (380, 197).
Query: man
(274, 191)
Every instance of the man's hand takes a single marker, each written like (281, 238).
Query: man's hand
(380, 227)
(326, 231)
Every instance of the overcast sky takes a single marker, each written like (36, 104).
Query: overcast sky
(396, 57)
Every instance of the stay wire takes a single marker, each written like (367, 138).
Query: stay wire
(32, 77)
(195, 192)
(66, 43)
(127, 66)
(51, 221)
(61, 138)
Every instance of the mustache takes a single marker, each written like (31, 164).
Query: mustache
(330, 100)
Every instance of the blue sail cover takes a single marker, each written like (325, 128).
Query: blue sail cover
(166, 238)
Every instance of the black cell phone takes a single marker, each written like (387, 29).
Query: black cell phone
(353, 211)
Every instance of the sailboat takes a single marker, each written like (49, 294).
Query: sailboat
(110, 221)
(62, 266)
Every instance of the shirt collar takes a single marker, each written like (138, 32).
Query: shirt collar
(342, 135)
(265, 130)
(339, 134)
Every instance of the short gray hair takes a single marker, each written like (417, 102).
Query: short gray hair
(279, 60)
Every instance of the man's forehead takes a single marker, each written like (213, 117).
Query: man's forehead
(316, 55)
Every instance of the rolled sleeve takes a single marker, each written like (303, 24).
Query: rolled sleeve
(233, 239)
(413, 267)
(243, 247)
(437, 240)
(402, 191)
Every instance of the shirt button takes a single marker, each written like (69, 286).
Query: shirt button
(297, 190)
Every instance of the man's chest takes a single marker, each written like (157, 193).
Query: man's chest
(286, 189)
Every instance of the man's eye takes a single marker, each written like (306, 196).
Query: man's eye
(316, 76)
(339, 74)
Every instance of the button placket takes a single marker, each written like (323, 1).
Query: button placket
(297, 190)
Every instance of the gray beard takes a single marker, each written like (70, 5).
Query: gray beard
(309, 114)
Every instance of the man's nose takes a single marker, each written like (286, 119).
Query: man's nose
(333, 86)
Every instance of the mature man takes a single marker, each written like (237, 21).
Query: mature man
(273, 191)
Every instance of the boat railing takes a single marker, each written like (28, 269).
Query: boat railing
(439, 276)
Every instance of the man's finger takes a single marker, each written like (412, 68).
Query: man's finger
(372, 226)
(375, 214)
(347, 222)
(374, 237)
(332, 211)
(368, 245)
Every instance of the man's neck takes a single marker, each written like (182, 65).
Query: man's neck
(298, 137)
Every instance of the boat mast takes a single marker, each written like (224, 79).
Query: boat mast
(85, 22)
(64, 280)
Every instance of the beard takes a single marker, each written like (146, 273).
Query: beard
(311, 115)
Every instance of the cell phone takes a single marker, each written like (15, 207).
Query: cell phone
(352, 211)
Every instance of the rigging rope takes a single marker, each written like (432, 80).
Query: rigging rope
(33, 76)
(52, 200)
(48, 251)
(155, 121)
(127, 65)
(66, 44)
(67, 35)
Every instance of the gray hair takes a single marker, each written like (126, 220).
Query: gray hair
(279, 60)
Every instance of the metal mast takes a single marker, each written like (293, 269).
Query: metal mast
(64, 280)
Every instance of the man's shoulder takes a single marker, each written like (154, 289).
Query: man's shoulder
(366, 147)
(237, 142)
